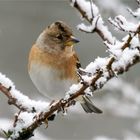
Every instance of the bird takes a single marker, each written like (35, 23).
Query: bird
(53, 64)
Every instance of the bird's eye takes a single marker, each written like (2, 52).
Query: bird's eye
(59, 36)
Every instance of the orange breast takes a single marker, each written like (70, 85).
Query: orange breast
(66, 64)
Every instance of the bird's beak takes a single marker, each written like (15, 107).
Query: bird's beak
(73, 40)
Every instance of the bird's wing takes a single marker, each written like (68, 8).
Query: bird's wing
(78, 64)
(80, 70)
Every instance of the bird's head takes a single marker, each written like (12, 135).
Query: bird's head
(58, 36)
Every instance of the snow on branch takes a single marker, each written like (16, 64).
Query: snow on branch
(122, 24)
(135, 13)
(120, 51)
(90, 12)
(16, 98)
(122, 55)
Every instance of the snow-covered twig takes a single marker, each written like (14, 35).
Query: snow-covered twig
(90, 12)
(18, 99)
(102, 70)
(135, 13)
(96, 82)
(115, 47)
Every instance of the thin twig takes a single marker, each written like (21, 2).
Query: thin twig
(84, 15)
(63, 103)
(11, 100)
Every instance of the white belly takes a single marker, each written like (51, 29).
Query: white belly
(47, 82)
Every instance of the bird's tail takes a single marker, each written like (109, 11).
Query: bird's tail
(88, 105)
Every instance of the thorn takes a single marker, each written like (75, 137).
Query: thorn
(33, 110)
(46, 123)
(9, 88)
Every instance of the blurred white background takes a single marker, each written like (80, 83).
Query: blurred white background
(21, 22)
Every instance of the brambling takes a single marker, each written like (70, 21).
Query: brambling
(53, 64)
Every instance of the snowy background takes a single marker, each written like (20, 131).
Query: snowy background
(20, 24)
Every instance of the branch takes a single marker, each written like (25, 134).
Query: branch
(122, 56)
(11, 100)
(92, 15)
(18, 99)
(135, 13)
(27, 132)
